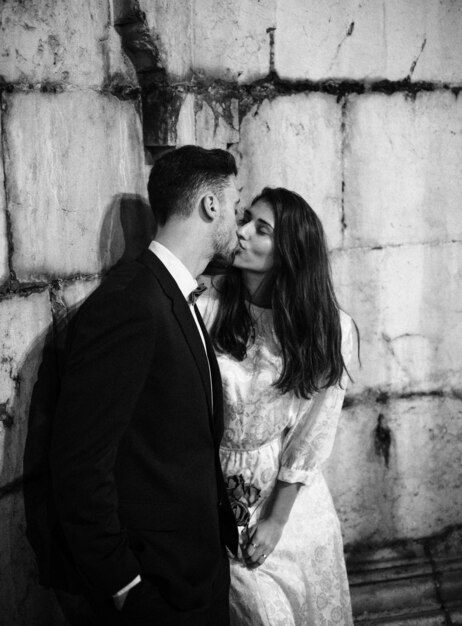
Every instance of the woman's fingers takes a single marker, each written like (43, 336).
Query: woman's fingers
(256, 551)
(262, 542)
(251, 549)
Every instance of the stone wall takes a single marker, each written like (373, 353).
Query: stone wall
(72, 162)
(355, 105)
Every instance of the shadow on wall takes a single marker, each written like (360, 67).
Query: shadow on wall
(127, 229)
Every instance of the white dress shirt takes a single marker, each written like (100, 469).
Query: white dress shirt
(181, 275)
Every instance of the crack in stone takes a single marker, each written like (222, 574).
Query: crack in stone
(405, 244)
(348, 33)
(416, 60)
(382, 397)
(25, 289)
(389, 343)
(114, 87)
(271, 30)
(248, 94)
(343, 133)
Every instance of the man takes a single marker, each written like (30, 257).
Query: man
(135, 467)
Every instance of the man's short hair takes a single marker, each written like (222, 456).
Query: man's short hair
(179, 175)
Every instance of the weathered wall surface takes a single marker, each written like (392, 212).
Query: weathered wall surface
(356, 106)
(71, 152)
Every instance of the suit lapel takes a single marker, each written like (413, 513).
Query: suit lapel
(184, 318)
(217, 386)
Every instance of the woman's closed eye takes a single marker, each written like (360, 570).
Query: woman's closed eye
(262, 229)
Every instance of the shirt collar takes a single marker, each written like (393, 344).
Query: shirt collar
(180, 273)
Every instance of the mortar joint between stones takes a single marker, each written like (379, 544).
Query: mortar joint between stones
(8, 220)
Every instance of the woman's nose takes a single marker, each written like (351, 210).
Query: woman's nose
(243, 231)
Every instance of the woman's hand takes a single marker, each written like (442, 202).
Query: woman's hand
(262, 542)
(269, 529)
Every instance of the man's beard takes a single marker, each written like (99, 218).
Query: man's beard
(221, 260)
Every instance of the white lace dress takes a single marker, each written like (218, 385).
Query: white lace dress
(270, 436)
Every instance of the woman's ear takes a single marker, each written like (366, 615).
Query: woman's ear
(210, 206)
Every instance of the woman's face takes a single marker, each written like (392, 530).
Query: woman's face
(256, 239)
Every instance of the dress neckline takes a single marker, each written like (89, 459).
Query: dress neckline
(260, 308)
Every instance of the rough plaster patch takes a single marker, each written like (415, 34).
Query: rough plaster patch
(295, 142)
(213, 129)
(24, 322)
(172, 28)
(226, 40)
(406, 301)
(53, 40)
(119, 69)
(419, 493)
(70, 156)
(403, 171)
(355, 40)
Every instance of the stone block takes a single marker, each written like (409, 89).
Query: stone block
(120, 71)
(217, 124)
(72, 159)
(425, 486)
(22, 599)
(231, 38)
(406, 301)
(219, 39)
(186, 124)
(25, 322)
(355, 476)
(295, 142)
(172, 28)
(207, 123)
(403, 171)
(4, 269)
(354, 40)
(419, 492)
(53, 41)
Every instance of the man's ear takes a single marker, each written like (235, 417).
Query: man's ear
(210, 206)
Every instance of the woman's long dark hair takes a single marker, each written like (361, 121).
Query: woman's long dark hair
(305, 310)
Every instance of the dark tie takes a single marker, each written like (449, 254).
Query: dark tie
(196, 293)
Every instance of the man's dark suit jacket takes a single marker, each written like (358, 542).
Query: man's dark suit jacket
(135, 467)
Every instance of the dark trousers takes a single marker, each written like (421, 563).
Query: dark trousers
(145, 607)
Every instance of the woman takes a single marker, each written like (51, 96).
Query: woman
(283, 346)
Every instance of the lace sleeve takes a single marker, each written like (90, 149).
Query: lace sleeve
(310, 439)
